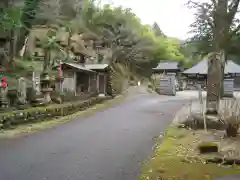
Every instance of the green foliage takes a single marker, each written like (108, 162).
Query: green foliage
(117, 28)
(190, 52)
(29, 12)
(156, 30)
(10, 18)
(210, 19)
(131, 41)
(37, 114)
(167, 49)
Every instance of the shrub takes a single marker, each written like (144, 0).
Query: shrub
(230, 115)
(45, 113)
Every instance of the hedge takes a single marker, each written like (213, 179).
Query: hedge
(45, 113)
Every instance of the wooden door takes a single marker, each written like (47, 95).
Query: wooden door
(102, 83)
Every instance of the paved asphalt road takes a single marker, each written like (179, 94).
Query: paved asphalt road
(106, 146)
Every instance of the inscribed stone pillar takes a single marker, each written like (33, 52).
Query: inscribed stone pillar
(213, 83)
(22, 90)
(36, 82)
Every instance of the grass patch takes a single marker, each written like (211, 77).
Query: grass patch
(175, 158)
(25, 129)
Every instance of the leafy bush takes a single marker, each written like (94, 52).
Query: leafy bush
(230, 115)
(118, 79)
(45, 113)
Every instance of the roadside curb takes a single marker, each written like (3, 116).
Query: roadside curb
(192, 107)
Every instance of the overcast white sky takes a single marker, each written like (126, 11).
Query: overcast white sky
(172, 16)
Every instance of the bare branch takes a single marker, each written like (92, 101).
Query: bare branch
(205, 9)
(233, 9)
(214, 3)
(235, 30)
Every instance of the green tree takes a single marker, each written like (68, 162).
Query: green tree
(156, 30)
(214, 20)
(9, 22)
(27, 19)
(49, 44)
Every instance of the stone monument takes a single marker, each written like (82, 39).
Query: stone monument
(36, 82)
(214, 82)
(22, 91)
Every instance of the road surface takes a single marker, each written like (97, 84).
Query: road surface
(109, 145)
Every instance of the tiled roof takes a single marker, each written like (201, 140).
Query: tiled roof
(78, 66)
(165, 65)
(96, 66)
(202, 68)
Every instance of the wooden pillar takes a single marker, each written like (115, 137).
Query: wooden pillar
(89, 83)
(75, 82)
(97, 82)
(105, 78)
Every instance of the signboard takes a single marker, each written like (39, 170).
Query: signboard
(228, 85)
(167, 85)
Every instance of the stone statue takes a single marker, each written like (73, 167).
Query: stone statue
(3, 93)
(22, 90)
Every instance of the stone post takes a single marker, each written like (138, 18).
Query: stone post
(22, 90)
(214, 78)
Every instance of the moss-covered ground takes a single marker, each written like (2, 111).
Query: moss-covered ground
(175, 158)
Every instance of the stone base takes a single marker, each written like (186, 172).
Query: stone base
(4, 104)
(228, 96)
(197, 122)
(213, 118)
(22, 106)
(211, 112)
(46, 90)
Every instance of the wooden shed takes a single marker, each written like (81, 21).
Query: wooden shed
(77, 79)
(102, 71)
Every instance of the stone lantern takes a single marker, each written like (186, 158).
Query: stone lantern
(46, 87)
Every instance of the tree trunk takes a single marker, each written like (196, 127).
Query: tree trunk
(11, 48)
(69, 45)
(222, 67)
(28, 16)
(223, 16)
(47, 57)
(216, 61)
(221, 28)
(232, 130)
